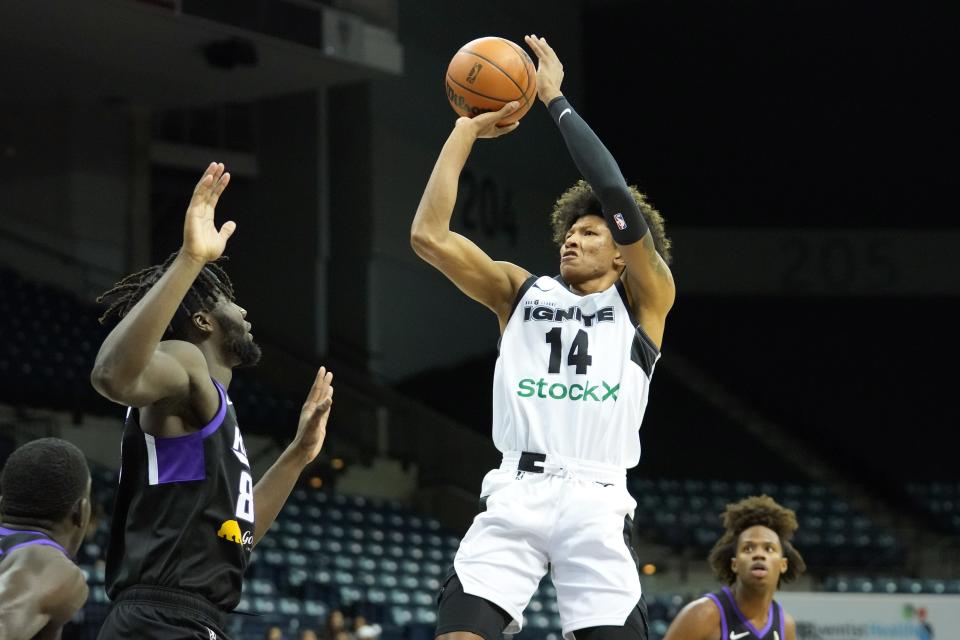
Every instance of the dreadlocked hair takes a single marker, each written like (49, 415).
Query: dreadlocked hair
(203, 295)
(750, 512)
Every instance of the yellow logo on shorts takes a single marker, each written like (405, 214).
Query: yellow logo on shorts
(230, 530)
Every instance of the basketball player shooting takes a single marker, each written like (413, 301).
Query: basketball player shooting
(752, 557)
(571, 384)
(187, 514)
(44, 513)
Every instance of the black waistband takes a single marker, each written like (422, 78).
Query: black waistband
(173, 598)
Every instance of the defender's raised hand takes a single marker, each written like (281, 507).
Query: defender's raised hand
(312, 429)
(201, 239)
(549, 69)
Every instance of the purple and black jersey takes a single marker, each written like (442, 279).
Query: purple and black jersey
(13, 539)
(735, 626)
(183, 516)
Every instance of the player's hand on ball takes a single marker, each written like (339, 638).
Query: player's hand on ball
(201, 239)
(312, 429)
(485, 125)
(549, 69)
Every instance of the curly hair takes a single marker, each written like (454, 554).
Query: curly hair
(750, 512)
(580, 200)
(203, 295)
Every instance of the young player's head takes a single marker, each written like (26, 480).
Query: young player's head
(46, 483)
(587, 249)
(755, 550)
(208, 312)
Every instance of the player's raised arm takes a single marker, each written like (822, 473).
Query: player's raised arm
(275, 486)
(132, 367)
(494, 284)
(648, 278)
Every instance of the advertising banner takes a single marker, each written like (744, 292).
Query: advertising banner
(864, 616)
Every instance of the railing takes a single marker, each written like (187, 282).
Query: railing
(371, 419)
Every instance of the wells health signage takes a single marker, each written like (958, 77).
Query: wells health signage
(846, 616)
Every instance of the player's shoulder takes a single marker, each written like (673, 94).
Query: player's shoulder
(698, 619)
(58, 583)
(516, 274)
(41, 560)
(180, 349)
(186, 353)
(703, 608)
(790, 625)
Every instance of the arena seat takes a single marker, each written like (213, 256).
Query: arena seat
(685, 513)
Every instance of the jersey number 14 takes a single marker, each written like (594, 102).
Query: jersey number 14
(577, 357)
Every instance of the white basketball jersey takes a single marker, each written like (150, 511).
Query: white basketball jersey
(573, 375)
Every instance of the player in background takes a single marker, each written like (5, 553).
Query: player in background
(577, 353)
(44, 512)
(752, 557)
(187, 513)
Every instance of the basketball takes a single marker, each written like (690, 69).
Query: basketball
(486, 74)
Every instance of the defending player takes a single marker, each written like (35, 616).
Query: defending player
(752, 558)
(187, 513)
(570, 388)
(44, 511)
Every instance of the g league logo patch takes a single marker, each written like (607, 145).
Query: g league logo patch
(620, 222)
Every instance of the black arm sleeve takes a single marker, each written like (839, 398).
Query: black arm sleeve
(600, 170)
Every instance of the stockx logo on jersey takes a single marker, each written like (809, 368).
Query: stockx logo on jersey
(230, 531)
(586, 392)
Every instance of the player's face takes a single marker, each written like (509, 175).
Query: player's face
(237, 339)
(588, 251)
(759, 560)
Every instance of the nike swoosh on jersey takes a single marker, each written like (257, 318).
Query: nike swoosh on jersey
(736, 636)
(563, 113)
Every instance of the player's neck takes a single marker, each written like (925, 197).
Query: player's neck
(19, 524)
(594, 285)
(220, 369)
(754, 603)
(52, 530)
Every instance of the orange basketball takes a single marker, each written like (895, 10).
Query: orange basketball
(486, 74)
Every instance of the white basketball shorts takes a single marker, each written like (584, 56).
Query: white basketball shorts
(571, 516)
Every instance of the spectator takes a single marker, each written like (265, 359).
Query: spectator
(336, 625)
(362, 630)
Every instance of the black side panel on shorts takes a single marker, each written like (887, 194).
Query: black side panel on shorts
(460, 611)
(628, 532)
